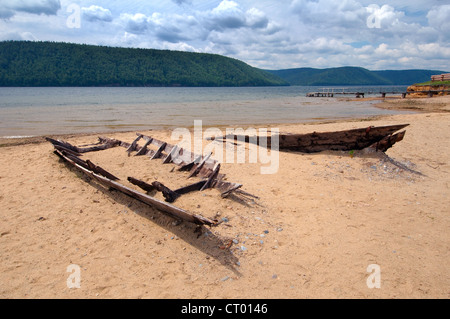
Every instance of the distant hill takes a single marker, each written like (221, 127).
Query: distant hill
(24, 63)
(408, 77)
(352, 76)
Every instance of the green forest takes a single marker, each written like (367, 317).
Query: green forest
(26, 63)
(353, 76)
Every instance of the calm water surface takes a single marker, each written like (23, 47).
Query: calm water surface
(41, 111)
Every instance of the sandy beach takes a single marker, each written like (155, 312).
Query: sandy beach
(320, 221)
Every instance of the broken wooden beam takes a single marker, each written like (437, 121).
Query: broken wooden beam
(133, 145)
(211, 178)
(178, 192)
(197, 167)
(146, 187)
(72, 157)
(63, 145)
(108, 144)
(98, 170)
(169, 158)
(226, 188)
(143, 149)
(188, 166)
(158, 153)
(168, 194)
(64, 149)
(190, 188)
(387, 142)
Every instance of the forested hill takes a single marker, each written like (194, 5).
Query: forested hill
(24, 63)
(353, 76)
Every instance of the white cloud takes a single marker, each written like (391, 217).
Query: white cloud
(256, 18)
(345, 13)
(230, 15)
(383, 16)
(135, 23)
(97, 13)
(8, 8)
(434, 51)
(180, 46)
(439, 19)
(227, 15)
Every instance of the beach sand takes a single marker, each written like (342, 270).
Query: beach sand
(318, 225)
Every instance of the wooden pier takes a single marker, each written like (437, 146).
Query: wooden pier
(332, 92)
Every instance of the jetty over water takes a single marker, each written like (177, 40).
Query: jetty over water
(332, 92)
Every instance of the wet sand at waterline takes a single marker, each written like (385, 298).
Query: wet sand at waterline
(319, 224)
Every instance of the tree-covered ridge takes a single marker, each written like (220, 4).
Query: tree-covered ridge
(24, 63)
(353, 76)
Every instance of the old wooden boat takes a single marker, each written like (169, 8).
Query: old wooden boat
(204, 167)
(379, 138)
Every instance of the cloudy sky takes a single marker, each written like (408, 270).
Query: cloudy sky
(270, 34)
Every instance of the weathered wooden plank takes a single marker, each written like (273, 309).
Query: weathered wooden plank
(190, 188)
(211, 177)
(102, 147)
(196, 168)
(62, 148)
(168, 194)
(188, 166)
(98, 170)
(74, 158)
(63, 144)
(146, 187)
(226, 188)
(143, 149)
(109, 144)
(133, 145)
(171, 155)
(388, 142)
(157, 154)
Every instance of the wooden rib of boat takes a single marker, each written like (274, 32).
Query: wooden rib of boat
(198, 165)
(379, 138)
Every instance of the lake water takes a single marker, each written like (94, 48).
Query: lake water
(41, 111)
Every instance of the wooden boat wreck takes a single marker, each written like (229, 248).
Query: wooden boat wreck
(204, 167)
(376, 138)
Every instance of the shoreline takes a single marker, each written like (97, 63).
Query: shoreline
(19, 141)
(413, 104)
(385, 103)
